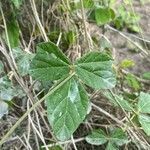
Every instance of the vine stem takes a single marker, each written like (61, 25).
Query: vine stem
(33, 107)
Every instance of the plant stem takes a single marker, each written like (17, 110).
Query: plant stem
(33, 107)
(65, 142)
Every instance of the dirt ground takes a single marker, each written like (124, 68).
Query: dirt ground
(126, 50)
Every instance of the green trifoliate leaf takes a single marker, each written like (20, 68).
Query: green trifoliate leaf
(49, 63)
(95, 70)
(97, 137)
(67, 108)
(144, 103)
(145, 123)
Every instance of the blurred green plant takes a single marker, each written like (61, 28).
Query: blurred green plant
(116, 138)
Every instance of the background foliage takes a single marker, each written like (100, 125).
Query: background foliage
(74, 74)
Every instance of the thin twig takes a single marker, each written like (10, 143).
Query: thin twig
(27, 142)
(7, 38)
(73, 142)
(84, 23)
(108, 115)
(39, 133)
(65, 142)
(38, 20)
